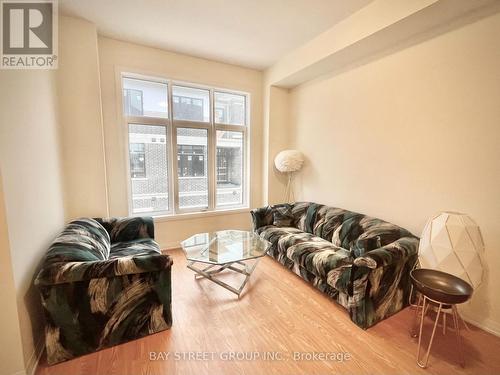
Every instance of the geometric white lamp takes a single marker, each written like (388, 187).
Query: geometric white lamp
(289, 161)
(451, 242)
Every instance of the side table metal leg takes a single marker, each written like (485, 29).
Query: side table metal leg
(463, 321)
(444, 323)
(413, 332)
(421, 327)
(459, 338)
(424, 364)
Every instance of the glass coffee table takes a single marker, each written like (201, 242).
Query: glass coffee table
(208, 254)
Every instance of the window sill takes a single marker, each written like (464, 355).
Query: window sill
(197, 215)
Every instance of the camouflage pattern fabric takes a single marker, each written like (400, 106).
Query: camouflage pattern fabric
(282, 215)
(362, 262)
(103, 282)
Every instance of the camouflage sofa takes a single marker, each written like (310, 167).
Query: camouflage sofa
(103, 282)
(362, 262)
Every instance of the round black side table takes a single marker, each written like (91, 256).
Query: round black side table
(442, 290)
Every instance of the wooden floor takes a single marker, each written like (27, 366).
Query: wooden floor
(281, 314)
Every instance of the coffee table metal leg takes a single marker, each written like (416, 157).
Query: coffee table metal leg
(249, 271)
(210, 273)
(210, 276)
(206, 269)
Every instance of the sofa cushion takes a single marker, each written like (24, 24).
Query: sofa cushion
(136, 247)
(299, 211)
(282, 215)
(318, 219)
(310, 217)
(262, 217)
(322, 262)
(122, 229)
(378, 233)
(81, 240)
(328, 219)
(360, 234)
(272, 233)
(313, 253)
(297, 245)
(340, 278)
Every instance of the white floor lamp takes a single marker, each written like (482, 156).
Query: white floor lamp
(289, 162)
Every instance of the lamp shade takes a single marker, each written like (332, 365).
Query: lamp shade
(451, 242)
(289, 161)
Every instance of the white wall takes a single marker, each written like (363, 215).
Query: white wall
(276, 139)
(11, 355)
(32, 187)
(117, 56)
(81, 120)
(409, 135)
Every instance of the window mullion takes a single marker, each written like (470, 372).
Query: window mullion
(173, 190)
(234, 128)
(191, 124)
(146, 120)
(212, 181)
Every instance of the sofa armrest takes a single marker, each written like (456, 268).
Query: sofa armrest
(261, 217)
(389, 254)
(70, 272)
(122, 229)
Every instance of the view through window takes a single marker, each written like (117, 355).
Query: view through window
(187, 159)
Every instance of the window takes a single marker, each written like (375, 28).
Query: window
(144, 98)
(229, 168)
(137, 160)
(133, 102)
(192, 169)
(148, 162)
(229, 108)
(191, 104)
(190, 158)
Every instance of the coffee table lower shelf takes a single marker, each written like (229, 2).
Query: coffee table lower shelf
(211, 271)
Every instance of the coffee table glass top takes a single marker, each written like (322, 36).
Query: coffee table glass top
(225, 246)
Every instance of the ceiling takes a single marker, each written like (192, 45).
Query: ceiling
(250, 33)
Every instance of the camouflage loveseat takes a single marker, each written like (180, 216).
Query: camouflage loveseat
(103, 282)
(362, 262)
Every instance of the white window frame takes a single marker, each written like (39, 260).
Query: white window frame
(171, 125)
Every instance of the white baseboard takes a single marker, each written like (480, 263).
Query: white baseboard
(170, 246)
(33, 361)
(487, 325)
(35, 358)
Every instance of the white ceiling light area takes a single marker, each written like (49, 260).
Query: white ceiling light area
(250, 33)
